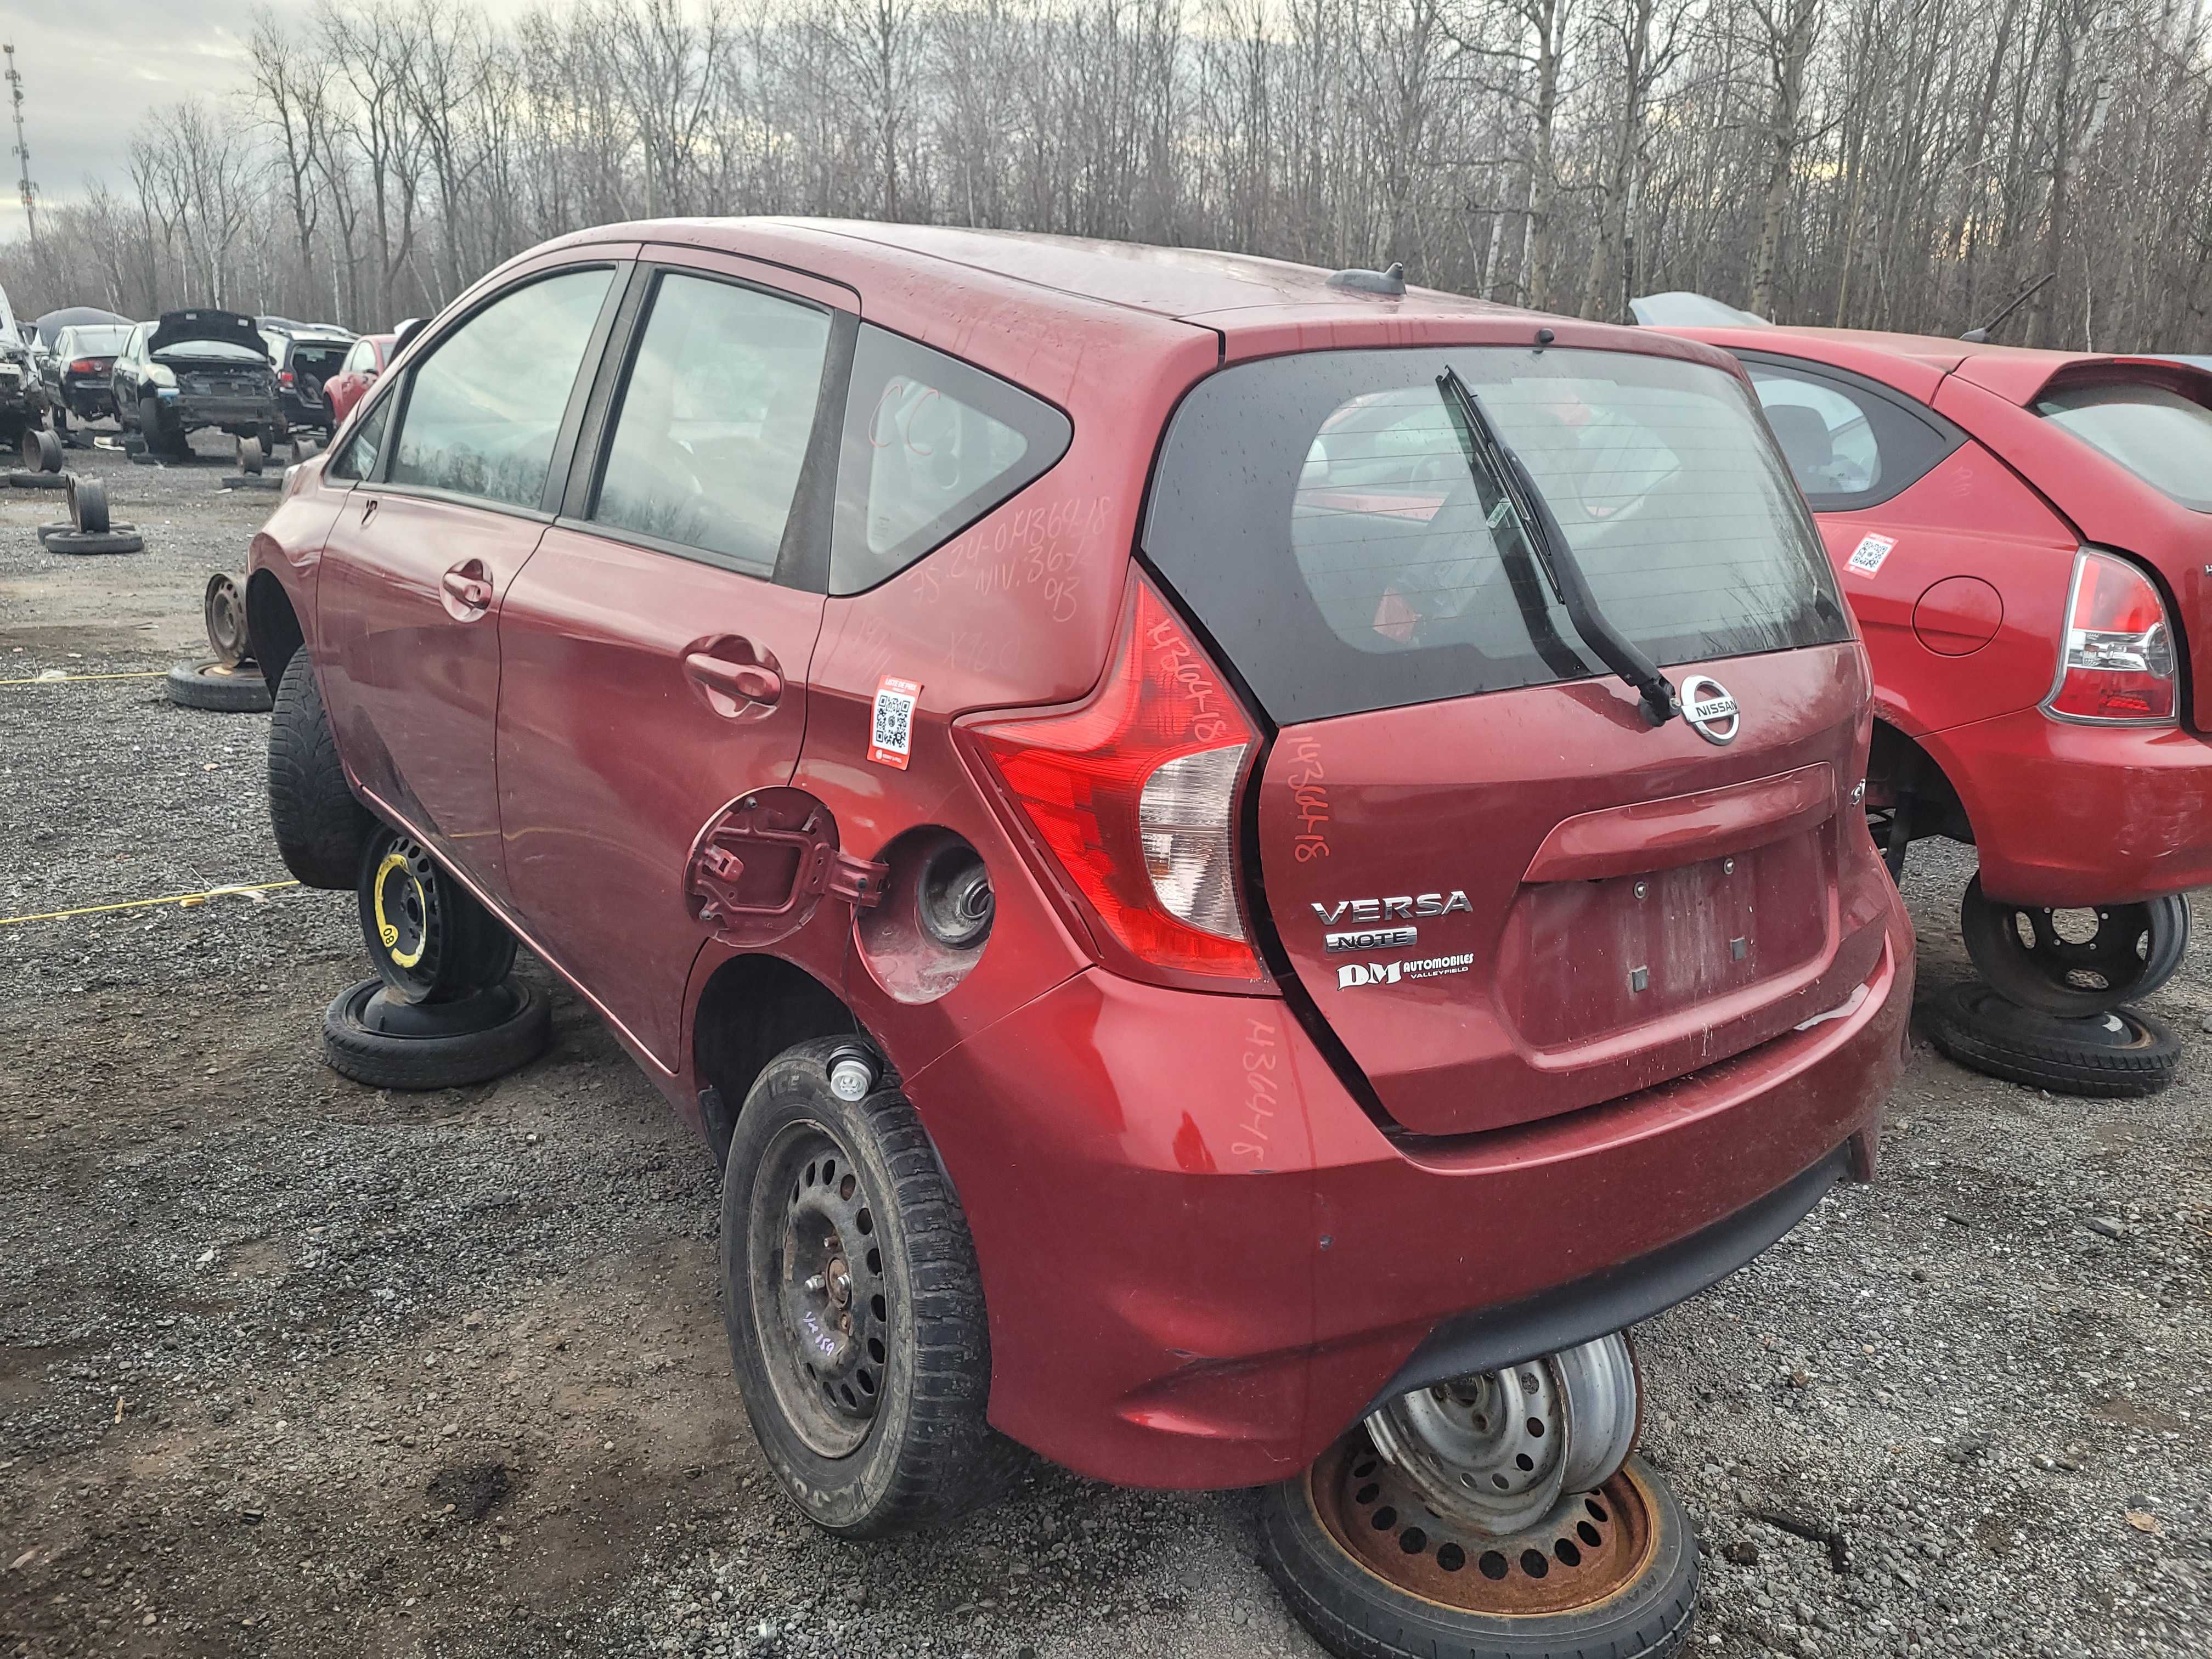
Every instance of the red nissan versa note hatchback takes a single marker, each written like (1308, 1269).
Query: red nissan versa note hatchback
(2026, 538)
(1130, 795)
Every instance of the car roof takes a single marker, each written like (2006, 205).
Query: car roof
(1255, 304)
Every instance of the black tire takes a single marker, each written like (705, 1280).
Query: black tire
(1355, 1613)
(388, 1044)
(64, 538)
(2135, 949)
(429, 938)
(321, 828)
(88, 500)
(220, 688)
(42, 450)
(924, 1453)
(2119, 1054)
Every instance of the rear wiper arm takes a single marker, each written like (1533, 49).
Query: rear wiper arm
(1488, 452)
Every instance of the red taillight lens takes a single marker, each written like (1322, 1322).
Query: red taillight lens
(283, 377)
(84, 366)
(2117, 662)
(1134, 796)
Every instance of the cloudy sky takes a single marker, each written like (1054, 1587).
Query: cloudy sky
(91, 67)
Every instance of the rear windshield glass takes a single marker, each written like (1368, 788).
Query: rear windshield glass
(2157, 435)
(96, 340)
(1318, 514)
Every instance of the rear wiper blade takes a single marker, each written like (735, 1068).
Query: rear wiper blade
(1520, 501)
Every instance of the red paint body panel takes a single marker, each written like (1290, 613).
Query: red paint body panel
(1149, 1162)
(1963, 619)
(404, 674)
(1188, 1328)
(611, 757)
(1465, 796)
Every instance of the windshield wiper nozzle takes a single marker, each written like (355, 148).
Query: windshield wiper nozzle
(1488, 455)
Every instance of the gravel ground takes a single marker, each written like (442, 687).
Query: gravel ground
(289, 1366)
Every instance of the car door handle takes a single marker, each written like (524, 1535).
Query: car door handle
(473, 592)
(749, 682)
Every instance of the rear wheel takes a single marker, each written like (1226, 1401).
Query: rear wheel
(854, 1307)
(2078, 961)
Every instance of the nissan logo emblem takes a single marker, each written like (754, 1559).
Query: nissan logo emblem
(1710, 710)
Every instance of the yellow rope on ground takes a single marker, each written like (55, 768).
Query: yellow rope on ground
(64, 679)
(182, 900)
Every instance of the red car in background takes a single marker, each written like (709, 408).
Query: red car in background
(2026, 538)
(356, 374)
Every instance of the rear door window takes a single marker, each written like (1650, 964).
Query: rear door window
(931, 445)
(1849, 443)
(2162, 437)
(714, 419)
(483, 410)
(1319, 515)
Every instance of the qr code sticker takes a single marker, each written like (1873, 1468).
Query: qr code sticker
(890, 740)
(1866, 558)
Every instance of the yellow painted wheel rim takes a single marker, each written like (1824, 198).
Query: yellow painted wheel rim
(386, 929)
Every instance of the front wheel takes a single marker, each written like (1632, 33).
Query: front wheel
(2074, 962)
(855, 1307)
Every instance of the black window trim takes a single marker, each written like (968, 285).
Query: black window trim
(401, 386)
(1949, 436)
(803, 558)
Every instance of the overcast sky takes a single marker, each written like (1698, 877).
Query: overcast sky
(91, 68)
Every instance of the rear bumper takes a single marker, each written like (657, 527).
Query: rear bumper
(2078, 815)
(1203, 1263)
(88, 398)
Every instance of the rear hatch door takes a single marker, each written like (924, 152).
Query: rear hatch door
(1504, 892)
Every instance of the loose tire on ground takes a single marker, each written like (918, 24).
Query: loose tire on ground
(917, 1449)
(65, 538)
(388, 1044)
(1354, 1613)
(42, 450)
(219, 687)
(2119, 1054)
(321, 828)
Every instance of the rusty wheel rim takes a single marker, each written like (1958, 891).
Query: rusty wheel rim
(1590, 1547)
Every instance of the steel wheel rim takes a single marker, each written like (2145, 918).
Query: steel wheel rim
(1588, 1549)
(1497, 1452)
(2117, 960)
(821, 1299)
(405, 917)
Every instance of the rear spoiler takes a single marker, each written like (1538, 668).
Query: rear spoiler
(2023, 377)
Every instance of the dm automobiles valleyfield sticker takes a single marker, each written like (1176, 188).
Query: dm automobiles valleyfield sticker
(1866, 558)
(890, 738)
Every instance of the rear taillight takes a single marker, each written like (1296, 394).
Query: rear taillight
(283, 377)
(2116, 665)
(84, 366)
(1134, 796)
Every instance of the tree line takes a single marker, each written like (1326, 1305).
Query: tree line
(1904, 164)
